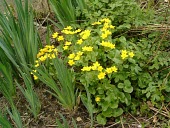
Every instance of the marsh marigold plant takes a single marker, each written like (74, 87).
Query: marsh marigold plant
(99, 62)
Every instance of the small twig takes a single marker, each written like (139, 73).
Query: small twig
(113, 125)
(51, 125)
(158, 111)
(164, 68)
(155, 113)
(121, 122)
(162, 8)
(43, 21)
(28, 122)
(134, 118)
(164, 81)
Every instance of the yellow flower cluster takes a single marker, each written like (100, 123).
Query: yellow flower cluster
(80, 41)
(108, 44)
(105, 31)
(56, 35)
(107, 25)
(111, 69)
(87, 48)
(105, 34)
(68, 31)
(66, 45)
(106, 20)
(96, 23)
(125, 54)
(48, 52)
(86, 68)
(60, 38)
(74, 57)
(85, 34)
(96, 66)
(34, 76)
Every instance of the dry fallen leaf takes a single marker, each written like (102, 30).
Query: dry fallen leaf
(155, 119)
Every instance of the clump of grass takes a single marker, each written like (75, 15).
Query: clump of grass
(20, 41)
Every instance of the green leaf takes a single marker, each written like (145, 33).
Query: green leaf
(105, 105)
(127, 99)
(122, 39)
(4, 122)
(127, 86)
(117, 112)
(120, 85)
(108, 112)
(101, 119)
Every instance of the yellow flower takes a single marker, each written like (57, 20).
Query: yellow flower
(111, 26)
(100, 68)
(66, 31)
(89, 48)
(36, 61)
(112, 46)
(71, 62)
(37, 64)
(95, 65)
(131, 54)
(68, 28)
(85, 34)
(35, 77)
(33, 71)
(104, 35)
(106, 25)
(97, 99)
(101, 75)
(114, 69)
(103, 29)
(52, 56)
(49, 50)
(96, 23)
(78, 30)
(108, 44)
(60, 38)
(43, 58)
(77, 57)
(65, 47)
(55, 35)
(67, 43)
(79, 41)
(86, 68)
(109, 70)
(40, 54)
(124, 54)
(107, 20)
(71, 56)
(79, 53)
(108, 32)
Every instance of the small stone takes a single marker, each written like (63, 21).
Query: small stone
(79, 119)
